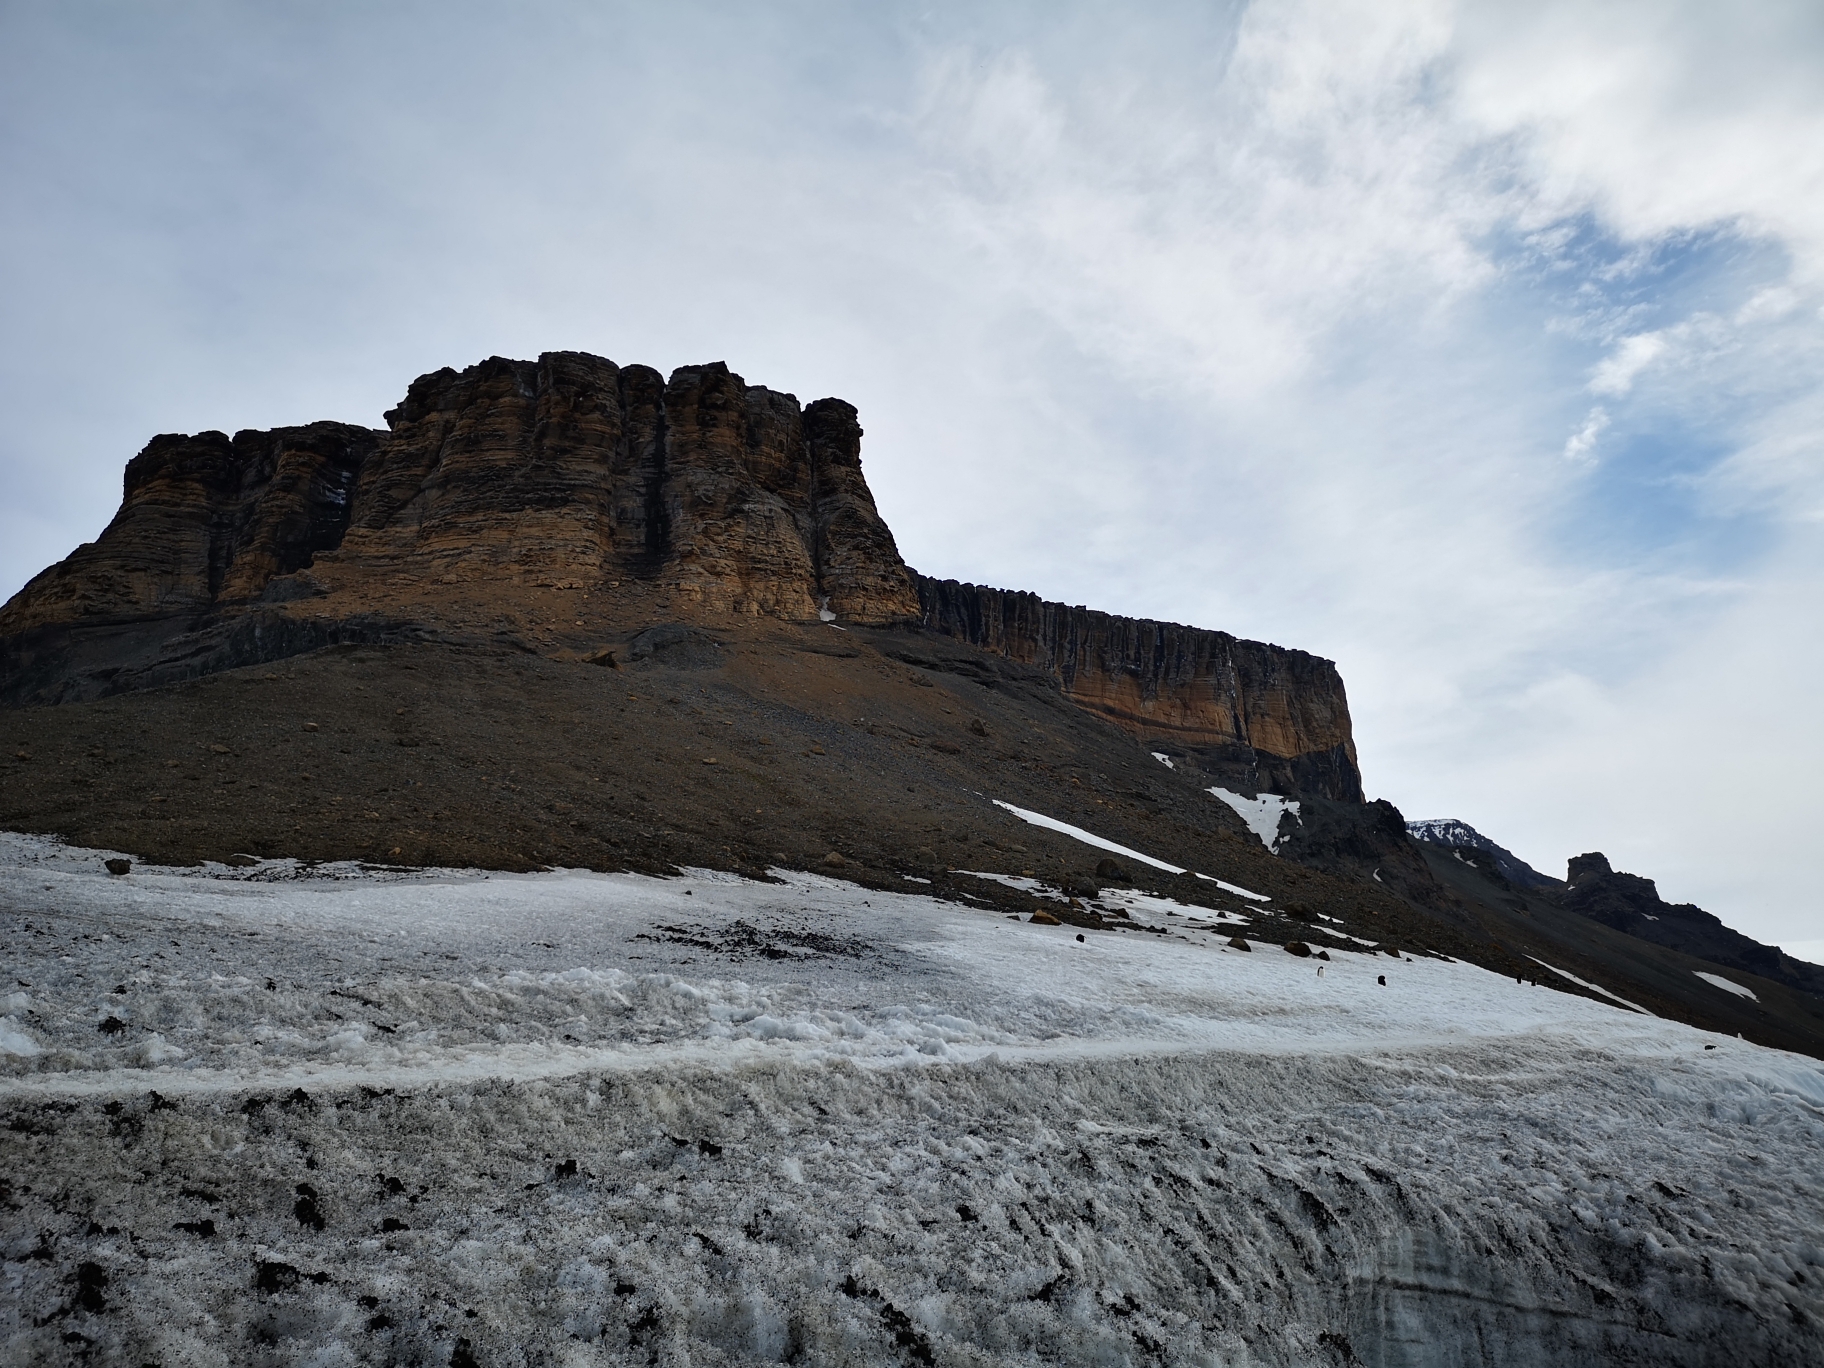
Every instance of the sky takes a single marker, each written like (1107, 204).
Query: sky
(1474, 346)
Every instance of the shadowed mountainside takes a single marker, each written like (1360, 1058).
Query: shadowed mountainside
(1630, 903)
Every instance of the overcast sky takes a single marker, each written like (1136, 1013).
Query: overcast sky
(1476, 347)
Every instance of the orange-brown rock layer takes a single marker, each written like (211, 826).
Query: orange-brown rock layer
(1273, 718)
(493, 487)
(204, 521)
(730, 494)
(548, 504)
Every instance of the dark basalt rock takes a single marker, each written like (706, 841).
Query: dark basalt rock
(677, 646)
(1632, 904)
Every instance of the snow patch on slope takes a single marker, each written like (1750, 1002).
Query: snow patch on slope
(1087, 837)
(1593, 987)
(1718, 981)
(1090, 838)
(1263, 814)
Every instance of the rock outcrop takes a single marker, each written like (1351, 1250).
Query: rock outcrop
(1257, 716)
(205, 521)
(1453, 834)
(1632, 904)
(491, 485)
(502, 497)
(731, 494)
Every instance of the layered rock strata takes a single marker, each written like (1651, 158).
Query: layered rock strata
(490, 487)
(502, 498)
(734, 496)
(205, 521)
(1259, 716)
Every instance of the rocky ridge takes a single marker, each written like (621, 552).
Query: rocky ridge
(1255, 716)
(1631, 903)
(1449, 832)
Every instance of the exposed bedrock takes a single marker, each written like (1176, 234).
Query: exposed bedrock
(730, 493)
(1250, 714)
(204, 521)
(492, 484)
(1632, 904)
(497, 490)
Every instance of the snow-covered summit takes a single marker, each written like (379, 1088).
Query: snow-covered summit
(1450, 831)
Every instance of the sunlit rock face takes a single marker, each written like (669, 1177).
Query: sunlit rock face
(204, 521)
(549, 504)
(701, 496)
(729, 494)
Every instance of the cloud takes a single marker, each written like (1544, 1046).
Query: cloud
(1581, 445)
(1617, 372)
(1272, 318)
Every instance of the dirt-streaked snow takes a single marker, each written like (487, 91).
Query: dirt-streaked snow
(336, 1116)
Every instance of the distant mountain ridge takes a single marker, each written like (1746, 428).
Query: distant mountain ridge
(1449, 831)
(1632, 904)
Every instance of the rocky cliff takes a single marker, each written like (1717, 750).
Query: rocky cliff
(729, 494)
(699, 495)
(205, 521)
(1250, 714)
(550, 504)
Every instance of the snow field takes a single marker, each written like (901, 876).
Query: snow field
(572, 1118)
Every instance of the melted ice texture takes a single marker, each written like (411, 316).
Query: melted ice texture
(583, 1118)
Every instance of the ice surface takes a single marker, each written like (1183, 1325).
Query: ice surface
(572, 1118)
(1718, 981)
(1263, 814)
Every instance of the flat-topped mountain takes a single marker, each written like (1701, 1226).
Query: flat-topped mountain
(541, 502)
(568, 612)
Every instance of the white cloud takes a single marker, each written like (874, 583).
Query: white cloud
(1581, 445)
(1659, 115)
(1618, 371)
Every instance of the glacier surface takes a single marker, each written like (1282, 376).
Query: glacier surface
(336, 1115)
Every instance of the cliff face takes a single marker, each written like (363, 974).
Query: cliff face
(1251, 714)
(701, 495)
(204, 521)
(547, 504)
(731, 494)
